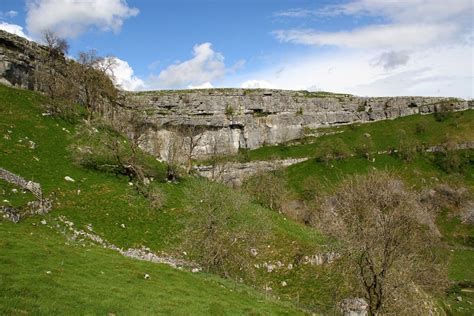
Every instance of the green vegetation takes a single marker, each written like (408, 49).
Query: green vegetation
(41, 273)
(164, 214)
(385, 135)
(118, 211)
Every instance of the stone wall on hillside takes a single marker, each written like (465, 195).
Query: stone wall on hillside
(249, 119)
(31, 186)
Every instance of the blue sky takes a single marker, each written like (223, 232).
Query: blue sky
(366, 47)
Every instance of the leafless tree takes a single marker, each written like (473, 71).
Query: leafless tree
(92, 75)
(384, 246)
(51, 71)
(192, 135)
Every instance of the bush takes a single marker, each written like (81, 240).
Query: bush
(421, 127)
(364, 146)
(98, 147)
(332, 150)
(384, 247)
(268, 189)
(451, 160)
(221, 231)
(65, 110)
(442, 112)
(154, 194)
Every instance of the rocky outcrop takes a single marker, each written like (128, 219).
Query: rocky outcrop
(248, 119)
(40, 206)
(235, 173)
(18, 60)
(354, 307)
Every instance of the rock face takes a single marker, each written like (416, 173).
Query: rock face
(18, 60)
(248, 119)
(234, 173)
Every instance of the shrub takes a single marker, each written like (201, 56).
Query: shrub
(221, 230)
(97, 146)
(332, 150)
(421, 127)
(442, 112)
(364, 146)
(451, 160)
(154, 194)
(229, 110)
(64, 109)
(384, 247)
(268, 189)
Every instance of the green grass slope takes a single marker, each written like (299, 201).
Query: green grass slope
(42, 273)
(123, 217)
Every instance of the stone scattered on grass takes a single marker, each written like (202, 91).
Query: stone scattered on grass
(68, 178)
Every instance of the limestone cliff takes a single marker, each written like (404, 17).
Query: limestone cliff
(239, 118)
(18, 60)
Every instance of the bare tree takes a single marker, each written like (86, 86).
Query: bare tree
(92, 75)
(56, 45)
(384, 245)
(51, 72)
(192, 136)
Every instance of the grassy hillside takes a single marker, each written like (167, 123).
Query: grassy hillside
(124, 217)
(42, 273)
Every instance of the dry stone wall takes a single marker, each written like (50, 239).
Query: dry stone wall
(31, 186)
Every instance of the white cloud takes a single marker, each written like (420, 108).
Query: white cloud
(8, 14)
(205, 66)
(124, 77)
(295, 13)
(71, 18)
(375, 36)
(408, 24)
(422, 47)
(14, 29)
(256, 84)
(206, 85)
(446, 71)
(405, 11)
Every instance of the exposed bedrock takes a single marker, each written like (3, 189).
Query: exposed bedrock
(247, 119)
